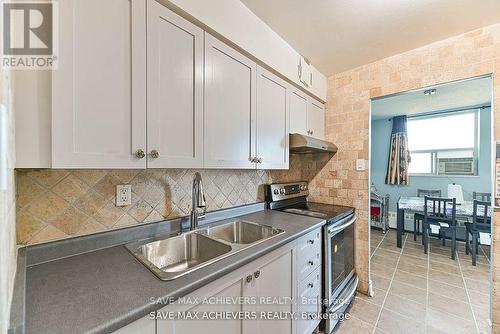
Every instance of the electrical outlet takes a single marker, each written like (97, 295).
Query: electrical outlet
(123, 194)
(360, 164)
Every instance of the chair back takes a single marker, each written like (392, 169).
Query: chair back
(440, 209)
(480, 218)
(428, 192)
(484, 197)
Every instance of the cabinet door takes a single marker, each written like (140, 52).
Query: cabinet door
(208, 326)
(298, 112)
(271, 284)
(229, 107)
(316, 119)
(144, 325)
(175, 90)
(272, 121)
(99, 88)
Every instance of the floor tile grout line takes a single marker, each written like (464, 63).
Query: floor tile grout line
(467, 292)
(487, 258)
(389, 287)
(378, 245)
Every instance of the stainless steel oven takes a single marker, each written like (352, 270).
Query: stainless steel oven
(339, 278)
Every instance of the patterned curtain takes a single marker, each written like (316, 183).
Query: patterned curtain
(399, 156)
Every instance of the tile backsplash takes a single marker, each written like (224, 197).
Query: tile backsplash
(55, 204)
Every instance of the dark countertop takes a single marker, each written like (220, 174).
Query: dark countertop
(106, 289)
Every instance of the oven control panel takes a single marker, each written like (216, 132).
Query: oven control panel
(280, 191)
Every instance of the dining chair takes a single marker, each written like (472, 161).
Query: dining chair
(418, 217)
(484, 197)
(481, 223)
(441, 212)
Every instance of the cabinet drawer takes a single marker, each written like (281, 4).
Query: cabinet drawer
(308, 253)
(309, 302)
(310, 284)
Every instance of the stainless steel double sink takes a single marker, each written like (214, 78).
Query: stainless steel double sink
(173, 257)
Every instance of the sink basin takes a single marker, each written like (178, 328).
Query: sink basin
(173, 257)
(242, 232)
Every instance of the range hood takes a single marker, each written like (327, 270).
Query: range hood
(304, 144)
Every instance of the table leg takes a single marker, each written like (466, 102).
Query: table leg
(400, 225)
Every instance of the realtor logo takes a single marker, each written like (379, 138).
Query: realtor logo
(28, 34)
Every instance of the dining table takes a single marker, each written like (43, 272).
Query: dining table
(464, 210)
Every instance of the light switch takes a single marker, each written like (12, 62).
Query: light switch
(360, 164)
(123, 194)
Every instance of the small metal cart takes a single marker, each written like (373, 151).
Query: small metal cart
(379, 209)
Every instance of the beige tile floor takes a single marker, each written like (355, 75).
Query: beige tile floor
(419, 293)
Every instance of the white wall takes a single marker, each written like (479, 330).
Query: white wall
(32, 103)
(7, 200)
(233, 20)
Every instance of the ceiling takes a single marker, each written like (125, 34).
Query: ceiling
(449, 96)
(337, 35)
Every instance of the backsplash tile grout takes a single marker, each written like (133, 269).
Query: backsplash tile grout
(55, 204)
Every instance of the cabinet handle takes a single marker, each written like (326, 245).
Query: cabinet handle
(259, 160)
(310, 241)
(154, 154)
(249, 278)
(254, 159)
(312, 132)
(140, 153)
(256, 274)
(311, 263)
(310, 285)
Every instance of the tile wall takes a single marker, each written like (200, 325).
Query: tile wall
(348, 114)
(56, 204)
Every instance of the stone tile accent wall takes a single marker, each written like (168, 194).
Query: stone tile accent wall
(348, 114)
(55, 204)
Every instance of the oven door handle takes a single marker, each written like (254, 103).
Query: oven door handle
(346, 299)
(334, 229)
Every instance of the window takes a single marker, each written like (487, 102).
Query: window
(444, 144)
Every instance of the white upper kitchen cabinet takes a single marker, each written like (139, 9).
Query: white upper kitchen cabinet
(174, 90)
(307, 116)
(298, 112)
(272, 121)
(230, 107)
(99, 88)
(316, 119)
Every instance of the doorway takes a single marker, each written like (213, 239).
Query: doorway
(447, 153)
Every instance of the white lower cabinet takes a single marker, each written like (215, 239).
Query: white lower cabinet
(309, 271)
(249, 299)
(309, 302)
(145, 325)
(262, 283)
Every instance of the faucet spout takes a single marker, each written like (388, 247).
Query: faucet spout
(198, 201)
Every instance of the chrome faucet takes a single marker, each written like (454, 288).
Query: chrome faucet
(198, 197)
